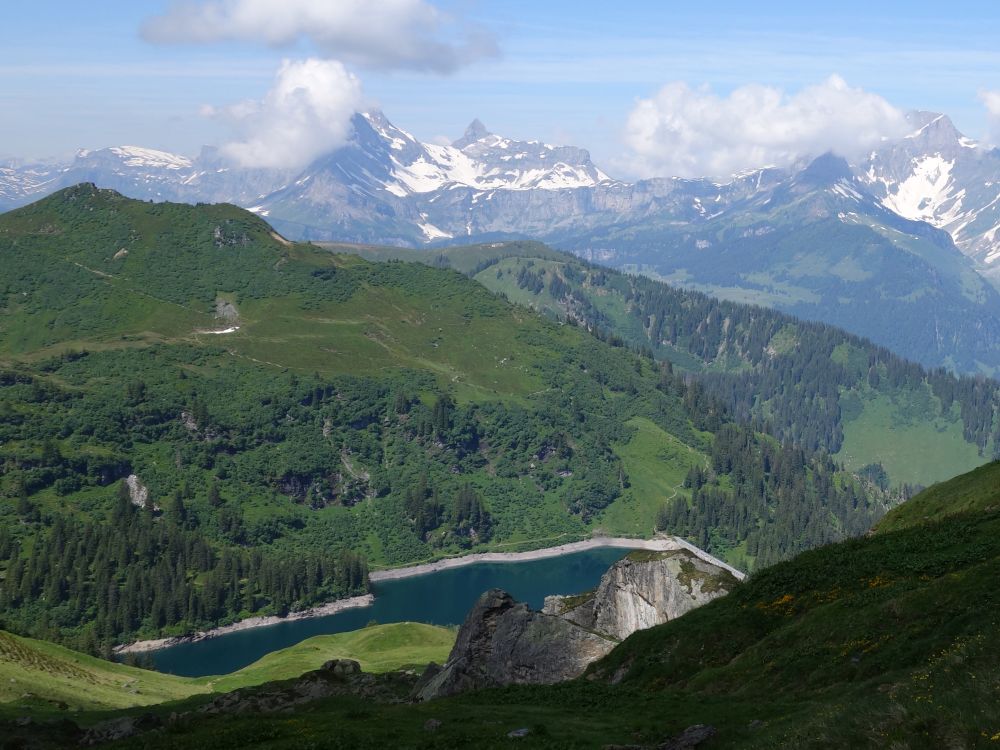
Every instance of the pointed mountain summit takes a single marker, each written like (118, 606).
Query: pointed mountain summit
(826, 171)
(935, 131)
(937, 175)
(473, 133)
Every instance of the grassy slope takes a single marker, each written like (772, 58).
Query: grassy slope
(975, 492)
(656, 463)
(378, 648)
(53, 674)
(919, 450)
(887, 641)
(164, 288)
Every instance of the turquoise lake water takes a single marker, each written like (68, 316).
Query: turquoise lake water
(441, 598)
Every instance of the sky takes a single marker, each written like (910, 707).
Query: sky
(647, 87)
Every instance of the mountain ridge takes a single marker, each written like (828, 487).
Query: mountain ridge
(862, 246)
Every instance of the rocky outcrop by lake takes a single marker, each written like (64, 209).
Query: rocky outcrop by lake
(642, 590)
(504, 642)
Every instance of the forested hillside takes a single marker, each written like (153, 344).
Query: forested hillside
(202, 421)
(808, 383)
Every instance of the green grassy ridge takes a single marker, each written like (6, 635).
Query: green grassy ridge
(60, 679)
(917, 445)
(299, 307)
(975, 492)
(885, 641)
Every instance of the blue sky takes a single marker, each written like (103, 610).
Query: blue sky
(80, 75)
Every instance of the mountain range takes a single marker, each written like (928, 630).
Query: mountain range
(895, 247)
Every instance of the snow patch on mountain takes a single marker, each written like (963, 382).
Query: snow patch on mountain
(923, 195)
(845, 189)
(432, 233)
(482, 161)
(136, 156)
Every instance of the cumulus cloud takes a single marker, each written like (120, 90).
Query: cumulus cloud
(306, 112)
(380, 34)
(991, 99)
(687, 132)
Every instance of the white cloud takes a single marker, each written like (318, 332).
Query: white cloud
(381, 34)
(991, 99)
(307, 112)
(688, 132)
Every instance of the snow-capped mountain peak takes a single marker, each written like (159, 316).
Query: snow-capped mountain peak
(385, 185)
(480, 160)
(476, 131)
(938, 175)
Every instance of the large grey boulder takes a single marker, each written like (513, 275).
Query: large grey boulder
(504, 642)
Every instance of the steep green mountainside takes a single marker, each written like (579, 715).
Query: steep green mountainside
(200, 421)
(975, 492)
(885, 641)
(37, 677)
(808, 382)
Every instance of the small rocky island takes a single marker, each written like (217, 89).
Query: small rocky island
(505, 642)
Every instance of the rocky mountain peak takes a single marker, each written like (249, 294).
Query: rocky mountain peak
(476, 131)
(825, 171)
(933, 131)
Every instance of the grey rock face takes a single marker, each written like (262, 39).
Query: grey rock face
(504, 642)
(645, 589)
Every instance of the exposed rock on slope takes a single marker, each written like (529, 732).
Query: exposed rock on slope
(642, 590)
(505, 642)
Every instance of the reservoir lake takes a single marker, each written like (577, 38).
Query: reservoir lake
(440, 598)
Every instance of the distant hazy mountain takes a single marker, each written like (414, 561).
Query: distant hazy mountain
(819, 245)
(854, 245)
(143, 173)
(22, 183)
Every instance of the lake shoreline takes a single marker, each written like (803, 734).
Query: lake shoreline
(657, 544)
(330, 608)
